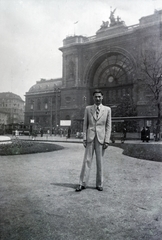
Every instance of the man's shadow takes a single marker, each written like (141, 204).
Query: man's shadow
(69, 185)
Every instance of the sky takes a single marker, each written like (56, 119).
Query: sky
(32, 31)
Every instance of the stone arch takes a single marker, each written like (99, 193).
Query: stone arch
(97, 60)
(112, 70)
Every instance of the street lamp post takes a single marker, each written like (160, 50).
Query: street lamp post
(57, 90)
(33, 111)
(51, 117)
(32, 120)
(158, 124)
(56, 109)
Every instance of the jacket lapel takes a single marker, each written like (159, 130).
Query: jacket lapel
(93, 111)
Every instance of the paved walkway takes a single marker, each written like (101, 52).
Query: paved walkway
(76, 140)
(38, 199)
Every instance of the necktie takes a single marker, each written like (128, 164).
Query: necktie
(97, 111)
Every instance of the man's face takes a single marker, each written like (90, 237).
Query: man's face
(97, 98)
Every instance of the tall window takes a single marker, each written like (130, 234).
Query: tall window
(46, 105)
(39, 104)
(32, 106)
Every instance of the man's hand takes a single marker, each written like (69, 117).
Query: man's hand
(105, 145)
(85, 143)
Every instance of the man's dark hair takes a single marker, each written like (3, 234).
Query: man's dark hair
(97, 91)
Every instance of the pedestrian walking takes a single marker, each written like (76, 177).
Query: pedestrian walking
(147, 134)
(47, 134)
(16, 134)
(124, 135)
(41, 132)
(69, 132)
(143, 134)
(96, 137)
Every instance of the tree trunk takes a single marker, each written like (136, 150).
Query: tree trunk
(158, 124)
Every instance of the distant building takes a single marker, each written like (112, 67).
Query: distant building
(110, 61)
(11, 108)
(43, 102)
(3, 118)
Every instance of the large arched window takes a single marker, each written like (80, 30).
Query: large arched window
(114, 74)
(114, 71)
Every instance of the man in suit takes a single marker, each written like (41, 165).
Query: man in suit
(96, 137)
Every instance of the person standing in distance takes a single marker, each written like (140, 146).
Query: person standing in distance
(96, 137)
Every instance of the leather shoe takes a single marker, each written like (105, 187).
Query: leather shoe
(99, 188)
(80, 188)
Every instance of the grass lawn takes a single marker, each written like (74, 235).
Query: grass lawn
(26, 147)
(152, 152)
(146, 151)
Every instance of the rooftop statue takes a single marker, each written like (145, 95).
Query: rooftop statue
(112, 18)
(113, 21)
(104, 24)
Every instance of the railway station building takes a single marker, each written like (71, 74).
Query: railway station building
(110, 60)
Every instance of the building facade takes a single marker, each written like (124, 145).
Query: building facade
(43, 101)
(11, 108)
(111, 61)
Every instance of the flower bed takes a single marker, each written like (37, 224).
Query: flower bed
(26, 147)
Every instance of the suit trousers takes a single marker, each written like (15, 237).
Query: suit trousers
(92, 147)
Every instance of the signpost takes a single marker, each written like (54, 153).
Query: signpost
(65, 123)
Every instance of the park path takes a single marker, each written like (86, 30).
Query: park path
(38, 201)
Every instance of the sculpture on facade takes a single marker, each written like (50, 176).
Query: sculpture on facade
(104, 24)
(112, 18)
(113, 21)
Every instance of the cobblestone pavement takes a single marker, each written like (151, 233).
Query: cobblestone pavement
(38, 199)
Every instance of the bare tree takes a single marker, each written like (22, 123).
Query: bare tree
(126, 107)
(151, 72)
